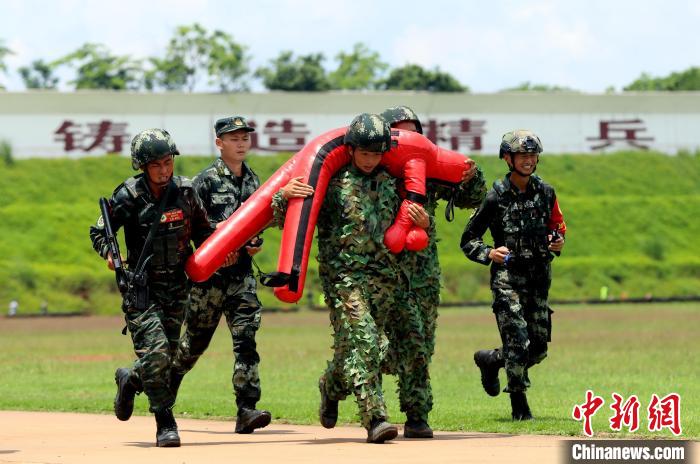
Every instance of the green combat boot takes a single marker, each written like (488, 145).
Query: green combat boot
(328, 411)
(417, 428)
(166, 434)
(380, 431)
(126, 391)
(521, 410)
(489, 362)
(249, 419)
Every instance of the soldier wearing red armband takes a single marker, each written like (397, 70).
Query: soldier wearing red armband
(528, 230)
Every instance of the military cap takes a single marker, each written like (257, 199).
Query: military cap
(231, 124)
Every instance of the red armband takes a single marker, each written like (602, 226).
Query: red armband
(556, 219)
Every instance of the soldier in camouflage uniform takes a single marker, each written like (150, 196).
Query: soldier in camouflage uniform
(527, 227)
(411, 329)
(359, 275)
(155, 331)
(231, 291)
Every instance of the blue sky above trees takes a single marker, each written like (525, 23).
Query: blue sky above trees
(584, 45)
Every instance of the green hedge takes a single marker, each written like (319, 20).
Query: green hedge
(631, 216)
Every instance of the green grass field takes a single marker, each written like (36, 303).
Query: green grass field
(631, 228)
(57, 364)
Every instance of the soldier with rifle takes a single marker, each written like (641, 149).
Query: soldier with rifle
(161, 215)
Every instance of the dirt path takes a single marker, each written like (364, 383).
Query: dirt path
(38, 437)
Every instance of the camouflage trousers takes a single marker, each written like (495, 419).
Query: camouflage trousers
(410, 329)
(237, 300)
(358, 306)
(523, 317)
(155, 333)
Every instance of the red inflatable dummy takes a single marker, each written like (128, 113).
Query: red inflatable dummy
(415, 159)
(252, 217)
(412, 157)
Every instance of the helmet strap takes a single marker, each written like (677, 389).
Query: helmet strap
(511, 165)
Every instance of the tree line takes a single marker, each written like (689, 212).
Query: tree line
(196, 57)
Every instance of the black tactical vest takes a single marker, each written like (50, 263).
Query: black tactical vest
(524, 217)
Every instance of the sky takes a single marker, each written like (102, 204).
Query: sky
(487, 45)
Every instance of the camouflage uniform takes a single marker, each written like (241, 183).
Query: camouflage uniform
(231, 291)
(520, 287)
(155, 332)
(360, 281)
(411, 329)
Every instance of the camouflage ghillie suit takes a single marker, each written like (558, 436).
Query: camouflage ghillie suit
(231, 291)
(520, 287)
(411, 329)
(360, 280)
(155, 332)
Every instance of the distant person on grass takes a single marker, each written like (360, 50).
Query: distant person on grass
(232, 290)
(165, 207)
(528, 229)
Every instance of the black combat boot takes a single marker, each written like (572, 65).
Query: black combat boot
(126, 391)
(521, 410)
(380, 431)
(328, 411)
(489, 362)
(417, 428)
(249, 419)
(166, 434)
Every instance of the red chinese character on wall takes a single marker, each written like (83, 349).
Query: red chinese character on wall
(462, 135)
(69, 133)
(286, 136)
(665, 413)
(282, 136)
(621, 131)
(626, 414)
(254, 142)
(107, 135)
(587, 410)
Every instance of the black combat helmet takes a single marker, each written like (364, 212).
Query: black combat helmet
(398, 114)
(369, 132)
(150, 145)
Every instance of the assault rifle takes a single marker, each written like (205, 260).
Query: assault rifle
(132, 285)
